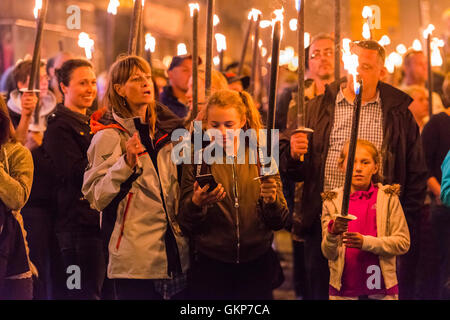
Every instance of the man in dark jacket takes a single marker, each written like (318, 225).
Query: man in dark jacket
(385, 121)
(174, 94)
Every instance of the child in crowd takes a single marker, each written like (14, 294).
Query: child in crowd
(231, 226)
(362, 252)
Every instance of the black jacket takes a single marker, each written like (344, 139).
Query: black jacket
(402, 155)
(13, 256)
(168, 99)
(66, 141)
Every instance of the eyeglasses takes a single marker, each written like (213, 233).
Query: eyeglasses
(318, 54)
(145, 78)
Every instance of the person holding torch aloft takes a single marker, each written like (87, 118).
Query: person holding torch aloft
(385, 121)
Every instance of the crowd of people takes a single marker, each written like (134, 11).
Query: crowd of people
(88, 183)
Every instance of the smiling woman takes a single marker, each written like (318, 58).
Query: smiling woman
(66, 141)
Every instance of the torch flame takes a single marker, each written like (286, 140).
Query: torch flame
(351, 63)
(392, 61)
(86, 43)
(192, 7)
(417, 45)
(216, 60)
(306, 39)
(367, 12)
(401, 48)
(37, 7)
(428, 31)
(265, 23)
(221, 42)
(150, 42)
(253, 14)
(216, 20)
(366, 31)
(436, 58)
(181, 49)
(298, 5)
(293, 24)
(112, 6)
(279, 16)
(263, 51)
(143, 2)
(384, 41)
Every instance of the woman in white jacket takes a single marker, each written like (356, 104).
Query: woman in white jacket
(131, 176)
(361, 253)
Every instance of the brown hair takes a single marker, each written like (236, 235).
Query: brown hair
(370, 147)
(241, 101)
(23, 70)
(6, 127)
(372, 45)
(119, 73)
(64, 73)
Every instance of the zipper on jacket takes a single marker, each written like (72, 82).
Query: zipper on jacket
(130, 195)
(236, 207)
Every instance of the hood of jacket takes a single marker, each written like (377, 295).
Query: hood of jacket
(48, 103)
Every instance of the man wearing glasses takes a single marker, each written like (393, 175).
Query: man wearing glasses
(319, 60)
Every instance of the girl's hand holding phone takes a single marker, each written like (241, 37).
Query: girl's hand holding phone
(202, 197)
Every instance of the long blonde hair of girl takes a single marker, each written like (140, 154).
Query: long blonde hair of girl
(241, 101)
(119, 73)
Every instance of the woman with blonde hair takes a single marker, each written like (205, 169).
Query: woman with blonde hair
(131, 179)
(232, 225)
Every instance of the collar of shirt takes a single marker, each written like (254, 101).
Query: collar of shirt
(341, 97)
(363, 194)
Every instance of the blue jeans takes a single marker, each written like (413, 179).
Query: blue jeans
(440, 220)
(85, 250)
